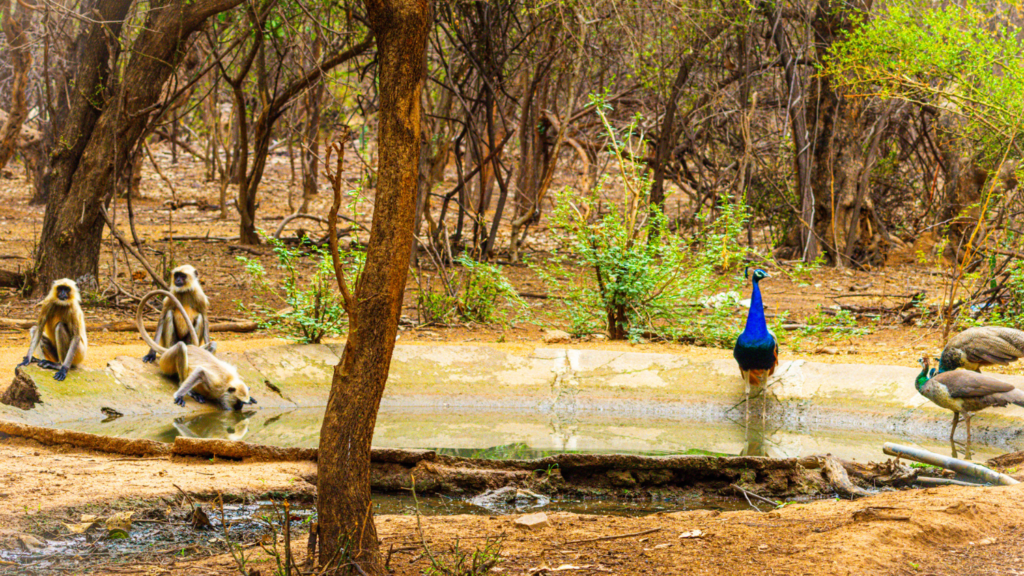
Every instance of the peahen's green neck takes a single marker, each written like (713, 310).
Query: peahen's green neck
(921, 378)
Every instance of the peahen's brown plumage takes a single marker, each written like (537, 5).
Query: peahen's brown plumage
(965, 392)
(982, 346)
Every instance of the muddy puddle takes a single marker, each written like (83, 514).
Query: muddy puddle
(156, 535)
(160, 534)
(524, 434)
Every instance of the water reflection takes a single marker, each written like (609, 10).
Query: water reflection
(525, 434)
(221, 425)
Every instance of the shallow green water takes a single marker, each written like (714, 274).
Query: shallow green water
(514, 434)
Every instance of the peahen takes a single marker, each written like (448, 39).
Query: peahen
(965, 392)
(756, 349)
(982, 346)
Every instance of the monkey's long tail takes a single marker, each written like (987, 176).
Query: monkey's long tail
(142, 327)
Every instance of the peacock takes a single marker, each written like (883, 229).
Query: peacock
(965, 392)
(982, 346)
(756, 349)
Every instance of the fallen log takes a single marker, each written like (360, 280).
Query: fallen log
(16, 324)
(111, 444)
(836, 475)
(206, 448)
(241, 326)
(10, 279)
(960, 466)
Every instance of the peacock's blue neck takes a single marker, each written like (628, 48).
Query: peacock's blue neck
(756, 327)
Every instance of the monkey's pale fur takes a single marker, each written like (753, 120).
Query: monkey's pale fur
(202, 375)
(174, 326)
(60, 330)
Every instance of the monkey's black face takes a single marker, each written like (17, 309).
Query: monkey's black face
(63, 293)
(180, 279)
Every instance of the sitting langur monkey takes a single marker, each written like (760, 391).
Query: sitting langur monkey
(60, 330)
(202, 375)
(174, 326)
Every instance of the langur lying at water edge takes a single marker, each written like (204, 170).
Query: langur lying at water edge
(173, 326)
(202, 375)
(60, 330)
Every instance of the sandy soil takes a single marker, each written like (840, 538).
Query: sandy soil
(938, 531)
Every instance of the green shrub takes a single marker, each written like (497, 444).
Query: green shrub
(638, 279)
(311, 306)
(471, 292)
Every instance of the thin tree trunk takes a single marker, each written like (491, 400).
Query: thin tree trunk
(343, 496)
(796, 107)
(16, 20)
(311, 139)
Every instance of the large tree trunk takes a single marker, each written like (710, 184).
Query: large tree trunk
(16, 19)
(101, 122)
(845, 150)
(343, 497)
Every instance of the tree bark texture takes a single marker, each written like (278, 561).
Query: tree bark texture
(400, 28)
(847, 138)
(796, 108)
(16, 20)
(101, 121)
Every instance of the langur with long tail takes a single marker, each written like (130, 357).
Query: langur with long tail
(175, 326)
(60, 330)
(202, 376)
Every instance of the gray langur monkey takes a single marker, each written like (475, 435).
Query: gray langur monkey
(60, 330)
(202, 375)
(173, 326)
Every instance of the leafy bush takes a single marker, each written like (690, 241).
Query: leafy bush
(1011, 311)
(472, 292)
(312, 307)
(640, 279)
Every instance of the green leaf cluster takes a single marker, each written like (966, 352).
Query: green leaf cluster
(475, 292)
(639, 278)
(963, 60)
(311, 305)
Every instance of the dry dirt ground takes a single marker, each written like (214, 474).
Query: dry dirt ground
(938, 531)
(941, 531)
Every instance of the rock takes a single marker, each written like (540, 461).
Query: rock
(532, 521)
(827, 350)
(655, 477)
(621, 478)
(556, 337)
(30, 543)
(509, 497)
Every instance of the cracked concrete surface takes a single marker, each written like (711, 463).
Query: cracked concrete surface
(807, 395)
